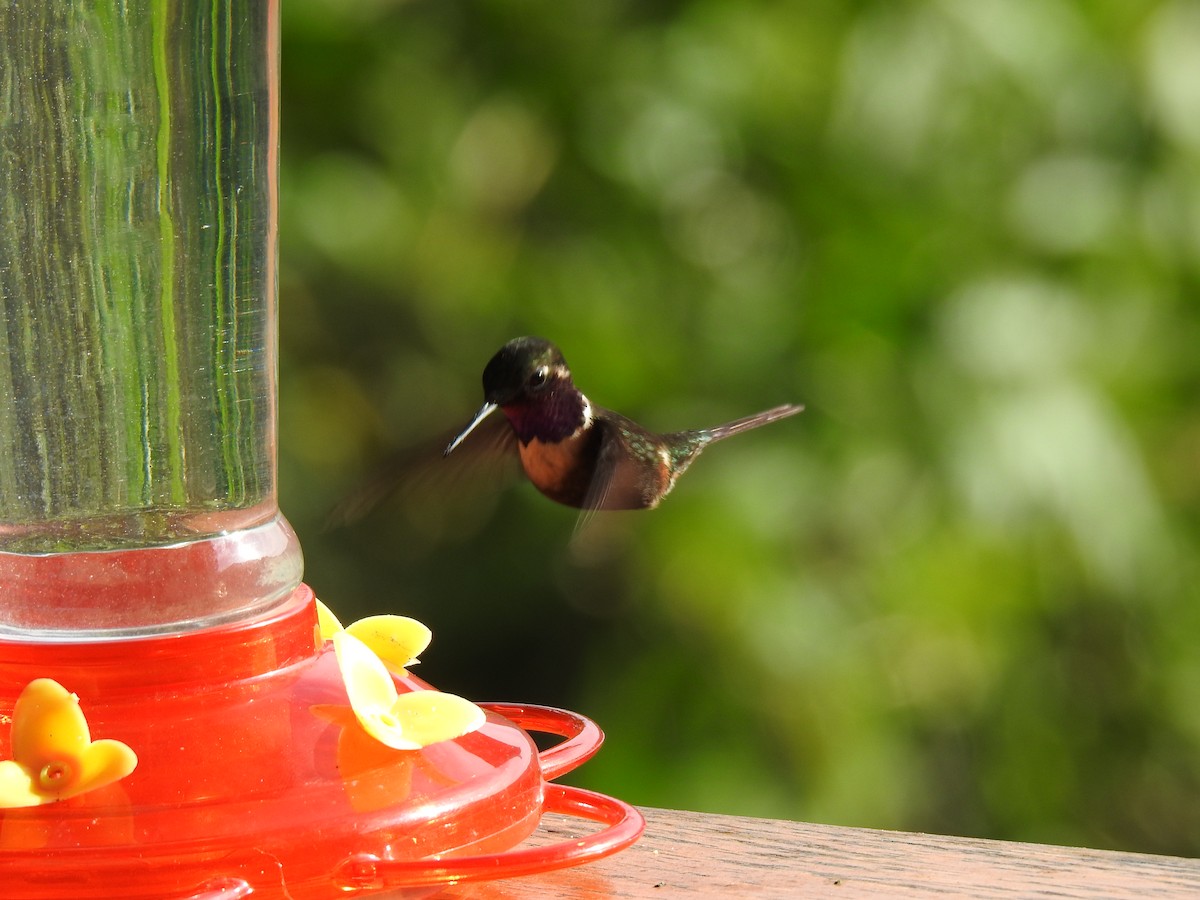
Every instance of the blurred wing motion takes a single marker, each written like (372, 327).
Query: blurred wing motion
(488, 456)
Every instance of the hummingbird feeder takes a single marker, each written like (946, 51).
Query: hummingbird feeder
(179, 717)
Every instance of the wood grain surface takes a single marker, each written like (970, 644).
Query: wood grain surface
(701, 855)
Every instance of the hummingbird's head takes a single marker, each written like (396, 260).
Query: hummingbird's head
(529, 380)
(524, 371)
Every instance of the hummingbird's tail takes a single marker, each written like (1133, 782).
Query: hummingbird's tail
(745, 424)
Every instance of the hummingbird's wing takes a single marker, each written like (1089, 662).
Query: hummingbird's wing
(625, 466)
(600, 487)
(487, 455)
(630, 470)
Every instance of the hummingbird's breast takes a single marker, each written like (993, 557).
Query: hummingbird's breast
(562, 469)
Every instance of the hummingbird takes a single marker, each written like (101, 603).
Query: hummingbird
(579, 454)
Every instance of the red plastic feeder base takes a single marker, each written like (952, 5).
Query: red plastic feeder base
(247, 787)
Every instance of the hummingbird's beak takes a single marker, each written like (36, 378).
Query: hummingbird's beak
(484, 411)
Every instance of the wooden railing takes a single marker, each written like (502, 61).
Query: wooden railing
(685, 854)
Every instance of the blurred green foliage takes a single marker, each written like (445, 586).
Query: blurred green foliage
(960, 593)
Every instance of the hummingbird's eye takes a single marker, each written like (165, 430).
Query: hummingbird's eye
(538, 378)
